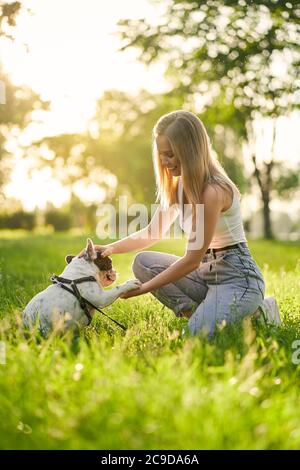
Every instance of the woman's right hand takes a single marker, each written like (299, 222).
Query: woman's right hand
(106, 250)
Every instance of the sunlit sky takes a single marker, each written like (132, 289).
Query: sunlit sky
(73, 56)
(71, 59)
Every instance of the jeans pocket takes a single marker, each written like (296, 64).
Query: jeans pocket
(233, 262)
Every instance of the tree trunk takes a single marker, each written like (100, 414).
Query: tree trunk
(264, 179)
(268, 234)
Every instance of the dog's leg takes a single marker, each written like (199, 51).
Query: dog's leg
(110, 296)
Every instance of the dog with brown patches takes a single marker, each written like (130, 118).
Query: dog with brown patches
(56, 308)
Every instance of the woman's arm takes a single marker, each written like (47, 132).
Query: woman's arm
(155, 230)
(190, 261)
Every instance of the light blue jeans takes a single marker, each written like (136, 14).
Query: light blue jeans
(228, 285)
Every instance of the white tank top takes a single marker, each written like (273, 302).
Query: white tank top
(229, 229)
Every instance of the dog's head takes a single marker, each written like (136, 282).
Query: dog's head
(106, 274)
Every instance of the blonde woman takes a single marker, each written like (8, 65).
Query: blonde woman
(219, 280)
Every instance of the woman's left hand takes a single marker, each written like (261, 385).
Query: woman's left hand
(139, 291)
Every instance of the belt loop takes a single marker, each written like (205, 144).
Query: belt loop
(241, 246)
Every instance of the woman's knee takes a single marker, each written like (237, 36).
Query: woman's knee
(148, 264)
(140, 265)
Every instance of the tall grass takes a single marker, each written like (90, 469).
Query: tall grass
(154, 386)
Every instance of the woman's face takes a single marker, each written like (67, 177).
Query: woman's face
(167, 157)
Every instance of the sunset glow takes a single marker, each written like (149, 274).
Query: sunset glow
(67, 52)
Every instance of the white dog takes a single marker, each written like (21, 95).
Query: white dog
(61, 306)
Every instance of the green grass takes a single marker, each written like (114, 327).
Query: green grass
(151, 388)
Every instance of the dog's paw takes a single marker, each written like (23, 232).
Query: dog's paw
(132, 284)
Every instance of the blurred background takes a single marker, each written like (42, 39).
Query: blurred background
(83, 82)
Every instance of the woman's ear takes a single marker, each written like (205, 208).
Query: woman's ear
(69, 258)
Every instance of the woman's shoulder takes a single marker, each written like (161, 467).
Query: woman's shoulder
(220, 195)
(212, 195)
(214, 190)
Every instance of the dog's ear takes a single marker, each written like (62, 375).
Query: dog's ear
(90, 250)
(69, 258)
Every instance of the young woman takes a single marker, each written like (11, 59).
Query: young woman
(218, 280)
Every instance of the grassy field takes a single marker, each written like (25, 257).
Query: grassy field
(153, 387)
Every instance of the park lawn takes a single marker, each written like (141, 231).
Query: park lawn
(153, 387)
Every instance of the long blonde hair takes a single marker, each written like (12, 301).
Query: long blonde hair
(190, 143)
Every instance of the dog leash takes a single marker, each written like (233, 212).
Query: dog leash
(61, 281)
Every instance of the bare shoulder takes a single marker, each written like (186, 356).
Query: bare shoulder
(218, 195)
(213, 196)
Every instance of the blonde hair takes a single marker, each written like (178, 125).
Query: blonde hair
(190, 143)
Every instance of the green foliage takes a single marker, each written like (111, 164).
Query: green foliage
(230, 48)
(19, 219)
(228, 45)
(60, 220)
(153, 387)
(226, 129)
(287, 181)
(121, 143)
(15, 113)
(124, 141)
(20, 101)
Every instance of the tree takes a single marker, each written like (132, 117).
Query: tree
(20, 103)
(229, 48)
(66, 156)
(119, 144)
(123, 139)
(8, 15)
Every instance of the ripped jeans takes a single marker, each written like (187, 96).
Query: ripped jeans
(228, 285)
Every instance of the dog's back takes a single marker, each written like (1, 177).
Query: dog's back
(53, 306)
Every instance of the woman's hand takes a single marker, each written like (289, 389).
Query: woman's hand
(106, 250)
(133, 293)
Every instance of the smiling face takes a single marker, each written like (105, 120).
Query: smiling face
(167, 158)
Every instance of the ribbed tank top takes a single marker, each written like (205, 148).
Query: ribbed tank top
(229, 229)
